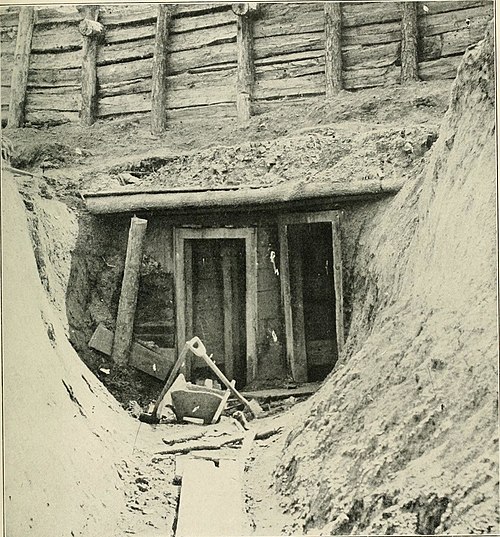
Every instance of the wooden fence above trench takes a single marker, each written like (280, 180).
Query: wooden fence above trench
(221, 55)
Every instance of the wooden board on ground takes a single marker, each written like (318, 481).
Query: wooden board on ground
(283, 393)
(151, 362)
(211, 502)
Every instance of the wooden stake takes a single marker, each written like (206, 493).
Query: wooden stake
(333, 48)
(245, 70)
(91, 31)
(160, 66)
(130, 287)
(19, 80)
(409, 42)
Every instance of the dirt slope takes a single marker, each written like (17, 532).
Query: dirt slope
(403, 437)
(64, 433)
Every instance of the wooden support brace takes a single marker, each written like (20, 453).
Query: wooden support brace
(160, 69)
(338, 283)
(245, 69)
(409, 42)
(92, 31)
(333, 48)
(286, 295)
(19, 80)
(130, 287)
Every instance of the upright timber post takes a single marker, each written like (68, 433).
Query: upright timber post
(338, 283)
(130, 288)
(160, 66)
(333, 48)
(409, 42)
(19, 80)
(245, 69)
(91, 31)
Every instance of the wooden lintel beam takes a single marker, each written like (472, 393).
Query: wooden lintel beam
(409, 42)
(19, 79)
(333, 48)
(159, 85)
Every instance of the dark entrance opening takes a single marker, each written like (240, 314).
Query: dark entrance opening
(313, 296)
(218, 305)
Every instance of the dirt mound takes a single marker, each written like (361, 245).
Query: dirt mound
(64, 434)
(403, 438)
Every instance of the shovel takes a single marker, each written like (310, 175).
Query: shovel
(197, 347)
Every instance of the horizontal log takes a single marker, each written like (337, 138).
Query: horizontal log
(288, 44)
(56, 60)
(124, 104)
(115, 15)
(129, 51)
(9, 16)
(216, 112)
(443, 68)
(285, 19)
(454, 20)
(62, 37)
(370, 78)
(283, 59)
(287, 87)
(61, 14)
(372, 34)
(203, 38)
(293, 69)
(360, 14)
(123, 201)
(123, 34)
(450, 43)
(62, 102)
(185, 10)
(141, 85)
(370, 57)
(120, 72)
(50, 117)
(209, 20)
(54, 77)
(442, 7)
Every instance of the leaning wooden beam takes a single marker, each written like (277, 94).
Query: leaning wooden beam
(118, 201)
(245, 69)
(286, 295)
(333, 48)
(409, 42)
(91, 31)
(130, 287)
(338, 283)
(160, 70)
(19, 77)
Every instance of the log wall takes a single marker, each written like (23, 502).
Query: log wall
(288, 49)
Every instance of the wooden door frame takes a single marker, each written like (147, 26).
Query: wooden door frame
(183, 287)
(295, 350)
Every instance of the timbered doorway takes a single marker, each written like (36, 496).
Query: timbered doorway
(215, 284)
(311, 282)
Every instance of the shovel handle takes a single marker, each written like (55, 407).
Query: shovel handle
(197, 347)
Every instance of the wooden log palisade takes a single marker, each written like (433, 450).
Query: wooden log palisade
(221, 64)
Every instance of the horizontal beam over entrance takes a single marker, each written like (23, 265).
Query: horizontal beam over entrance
(235, 198)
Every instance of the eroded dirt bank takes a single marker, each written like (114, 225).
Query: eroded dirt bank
(403, 436)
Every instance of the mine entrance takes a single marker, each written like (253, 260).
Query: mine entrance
(218, 303)
(215, 283)
(313, 294)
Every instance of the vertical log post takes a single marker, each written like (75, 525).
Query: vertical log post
(160, 66)
(130, 287)
(409, 42)
(245, 69)
(19, 80)
(91, 31)
(333, 48)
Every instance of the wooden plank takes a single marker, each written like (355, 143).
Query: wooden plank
(289, 18)
(443, 68)
(56, 60)
(228, 291)
(120, 72)
(437, 6)
(159, 83)
(66, 101)
(19, 77)
(333, 48)
(128, 87)
(251, 303)
(305, 85)
(283, 393)
(54, 77)
(208, 20)
(213, 504)
(188, 275)
(204, 37)
(130, 287)
(50, 117)
(285, 293)
(124, 34)
(245, 74)
(370, 78)
(357, 14)
(371, 56)
(299, 361)
(338, 283)
(123, 14)
(125, 52)
(60, 14)
(216, 112)
(454, 20)
(409, 42)
(180, 302)
(223, 403)
(63, 37)
(371, 34)
(288, 44)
